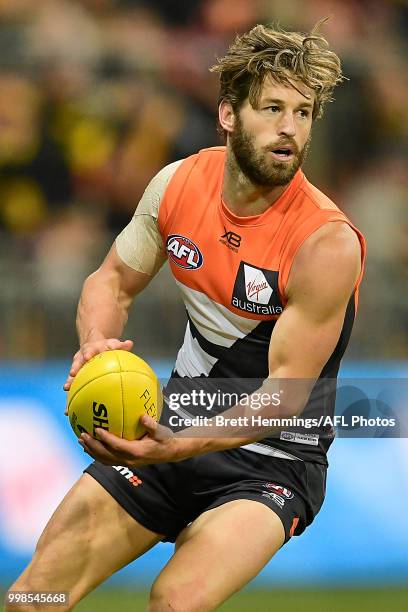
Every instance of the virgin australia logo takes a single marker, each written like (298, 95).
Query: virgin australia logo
(256, 291)
(257, 288)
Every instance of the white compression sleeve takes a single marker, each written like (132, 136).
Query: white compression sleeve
(140, 244)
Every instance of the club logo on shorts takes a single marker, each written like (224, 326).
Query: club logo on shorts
(277, 493)
(256, 290)
(279, 490)
(183, 252)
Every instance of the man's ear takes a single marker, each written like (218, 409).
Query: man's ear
(226, 116)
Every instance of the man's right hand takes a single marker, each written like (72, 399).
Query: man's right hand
(89, 350)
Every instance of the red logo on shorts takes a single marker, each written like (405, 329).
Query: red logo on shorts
(279, 490)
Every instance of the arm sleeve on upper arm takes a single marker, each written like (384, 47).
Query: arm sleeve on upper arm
(140, 244)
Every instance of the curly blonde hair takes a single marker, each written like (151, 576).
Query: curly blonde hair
(286, 56)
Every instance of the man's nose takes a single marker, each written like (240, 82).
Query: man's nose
(286, 125)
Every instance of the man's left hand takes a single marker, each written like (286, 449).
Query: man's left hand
(157, 446)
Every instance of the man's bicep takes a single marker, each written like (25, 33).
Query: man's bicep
(125, 280)
(301, 345)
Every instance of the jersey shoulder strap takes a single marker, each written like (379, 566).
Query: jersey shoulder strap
(197, 175)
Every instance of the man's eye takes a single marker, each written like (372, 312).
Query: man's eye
(304, 113)
(273, 109)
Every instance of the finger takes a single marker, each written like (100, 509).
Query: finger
(114, 344)
(149, 423)
(114, 444)
(68, 383)
(72, 372)
(88, 352)
(128, 344)
(154, 429)
(77, 364)
(97, 457)
(97, 450)
(66, 408)
(84, 355)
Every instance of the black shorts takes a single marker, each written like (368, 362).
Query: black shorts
(166, 497)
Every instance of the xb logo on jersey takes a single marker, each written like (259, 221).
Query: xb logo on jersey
(183, 252)
(231, 240)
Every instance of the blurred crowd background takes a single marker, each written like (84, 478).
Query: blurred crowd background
(97, 95)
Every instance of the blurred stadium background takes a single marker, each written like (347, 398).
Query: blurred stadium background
(95, 97)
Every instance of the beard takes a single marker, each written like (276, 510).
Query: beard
(258, 166)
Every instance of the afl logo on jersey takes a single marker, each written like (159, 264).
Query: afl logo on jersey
(183, 252)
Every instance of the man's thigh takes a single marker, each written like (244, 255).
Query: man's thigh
(216, 555)
(89, 537)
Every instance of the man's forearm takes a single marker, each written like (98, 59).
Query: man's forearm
(190, 446)
(241, 424)
(102, 310)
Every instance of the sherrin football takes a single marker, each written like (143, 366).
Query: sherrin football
(113, 390)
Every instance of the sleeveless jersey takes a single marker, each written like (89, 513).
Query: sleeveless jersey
(232, 273)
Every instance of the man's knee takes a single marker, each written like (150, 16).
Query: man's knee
(187, 597)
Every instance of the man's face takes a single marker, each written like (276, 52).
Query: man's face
(270, 142)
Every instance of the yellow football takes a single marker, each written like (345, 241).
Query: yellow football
(112, 391)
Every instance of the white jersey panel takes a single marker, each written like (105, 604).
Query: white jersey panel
(192, 360)
(214, 321)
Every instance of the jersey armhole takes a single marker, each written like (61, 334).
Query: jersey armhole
(298, 240)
